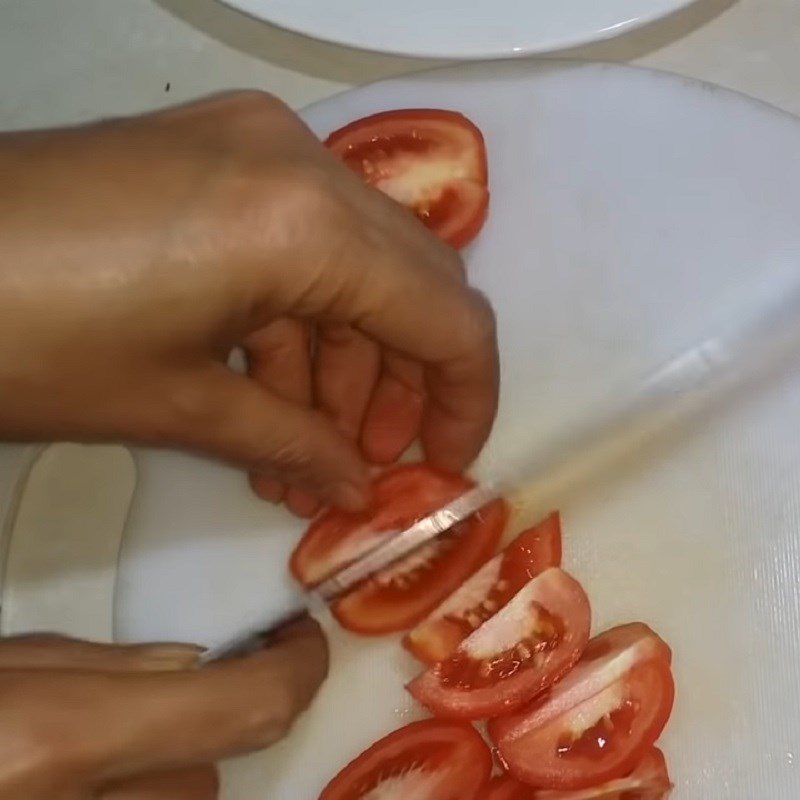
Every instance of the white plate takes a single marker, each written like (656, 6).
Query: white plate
(476, 29)
(625, 204)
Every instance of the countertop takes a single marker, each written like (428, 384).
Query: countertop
(80, 59)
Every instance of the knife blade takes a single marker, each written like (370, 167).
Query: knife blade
(763, 332)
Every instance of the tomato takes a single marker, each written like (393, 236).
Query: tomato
(398, 597)
(598, 722)
(487, 591)
(649, 781)
(520, 651)
(429, 760)
(431, 161)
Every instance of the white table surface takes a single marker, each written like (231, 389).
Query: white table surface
(78, 59)
(75, 60)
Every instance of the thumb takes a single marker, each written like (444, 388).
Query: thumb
(168, 720)
(103, 728)
(235, 418)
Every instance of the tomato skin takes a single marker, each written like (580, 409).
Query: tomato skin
(605, 660)
(375, 610)
(550, 744)
(562, 598)
(401, 496)
(533, 551)
(432, 161)
(455, 749)
(648, 781)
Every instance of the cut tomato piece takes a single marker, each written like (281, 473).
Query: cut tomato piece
(431, 161)
(486, 592)
(429, 760)
(400, 496)
(401, 595)
(599, 721)
(515, 655)
(649, 781)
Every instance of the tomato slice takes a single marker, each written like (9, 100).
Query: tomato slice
(598, 722)
(398, 597)
(520, 651)
(431, 161)
(487, 591)
(429, 760)
(649, 781)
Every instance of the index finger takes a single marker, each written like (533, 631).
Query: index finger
(410, 295)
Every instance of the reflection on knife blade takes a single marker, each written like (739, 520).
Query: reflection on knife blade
(382, 556)
(407, 541)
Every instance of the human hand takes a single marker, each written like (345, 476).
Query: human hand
(81, 721)
(136, 254)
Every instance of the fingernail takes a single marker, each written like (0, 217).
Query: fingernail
(301, 503)
(268, 489)
(350, 497)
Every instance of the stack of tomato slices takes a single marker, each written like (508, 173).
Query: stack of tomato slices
(504, 639)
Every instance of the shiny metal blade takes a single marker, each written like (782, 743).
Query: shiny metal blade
(408, 541)
(398, 546)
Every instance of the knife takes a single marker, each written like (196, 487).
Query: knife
(762, 335)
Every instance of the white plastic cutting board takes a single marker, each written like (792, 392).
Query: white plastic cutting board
(63, 541)
(625, 204)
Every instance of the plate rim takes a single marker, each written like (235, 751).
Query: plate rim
(531, 49)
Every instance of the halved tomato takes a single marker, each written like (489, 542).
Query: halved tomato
(429, 760)
(403, 594)
(520, 651)
(599, 721)
(431, 161)
(487, 591)
(649, 781)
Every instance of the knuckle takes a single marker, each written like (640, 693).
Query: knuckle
(481, 324)
(272, 723)
(307, 188)
(294, 455)
(183, 408)
(253, 101)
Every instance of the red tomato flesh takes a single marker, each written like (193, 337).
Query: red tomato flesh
(649, 781)
(429, 760)
(520, 651)
(431, 161)
(401, 595)
(486, 592)
(597, 723)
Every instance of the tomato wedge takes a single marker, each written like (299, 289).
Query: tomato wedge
(516, 654)
(487, 591)
(403, 594)
(431, 161)
(429, 760)
(599, 721)
(649, 781)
